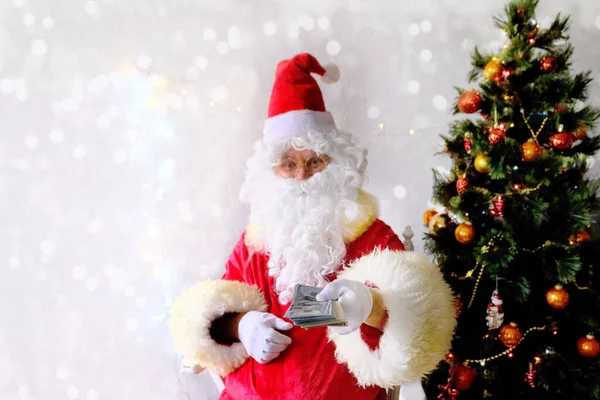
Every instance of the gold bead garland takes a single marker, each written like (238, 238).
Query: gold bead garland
(534, 134)
(507, 351)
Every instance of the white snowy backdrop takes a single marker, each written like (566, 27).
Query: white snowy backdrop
(124, 129)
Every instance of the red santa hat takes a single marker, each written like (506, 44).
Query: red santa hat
(296, 106)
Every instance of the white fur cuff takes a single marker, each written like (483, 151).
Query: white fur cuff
(421, 320)
(193, 313)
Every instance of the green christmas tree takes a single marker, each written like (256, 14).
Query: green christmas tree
(516, 238)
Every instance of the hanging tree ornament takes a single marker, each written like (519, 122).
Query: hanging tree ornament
(437, 222)
(493, 68)
(588, 346)
(461, 185)
(482, 163)
(497, 209)
(561, 140)
(510, 335)
(580, 132)
(468, 144)
(495, 315)
(458, 306)
(447, 391)
(462, 376)
(557, 297)
(530, 151)
(428, 215)
(504, 76)
(496, 135)
(469, 101)
(562, 107)
(464, 233)
(583, 236)
(530, 376)
(549, 64)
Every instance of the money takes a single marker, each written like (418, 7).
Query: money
(307, 312)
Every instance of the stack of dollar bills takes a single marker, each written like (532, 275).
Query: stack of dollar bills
(306, 312)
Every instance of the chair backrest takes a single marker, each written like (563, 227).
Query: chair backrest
(391, 394)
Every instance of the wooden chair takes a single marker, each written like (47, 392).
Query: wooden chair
(392, 394)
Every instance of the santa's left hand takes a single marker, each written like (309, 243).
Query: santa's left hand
(356, 301)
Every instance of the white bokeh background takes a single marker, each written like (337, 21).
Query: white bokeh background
(124, 129)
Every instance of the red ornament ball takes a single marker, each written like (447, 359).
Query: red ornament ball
(462, 377)
(549, 64)
(580, 132)
(588, 346)
(469, 102)
(561, 140)
(557, 297)
(510, 335)
(583, 236)
(561, 108)
(461, 185)
(496, 136)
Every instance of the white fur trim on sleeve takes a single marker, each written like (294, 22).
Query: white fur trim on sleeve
(421, 320)
(194, 311)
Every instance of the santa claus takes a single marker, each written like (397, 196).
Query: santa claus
(311, 223)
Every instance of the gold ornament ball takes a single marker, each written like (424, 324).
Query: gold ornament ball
(464, 233)
(530, 151)
(557, 297)
(482, 163)
(493, 68)
(428, 215)
(510, 335)
(588, 346)
(437, 222)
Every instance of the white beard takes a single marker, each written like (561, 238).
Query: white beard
(303, 225)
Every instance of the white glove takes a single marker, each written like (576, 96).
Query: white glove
(257, 332)
(356, 301)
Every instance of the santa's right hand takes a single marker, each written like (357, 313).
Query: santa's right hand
(258, 333)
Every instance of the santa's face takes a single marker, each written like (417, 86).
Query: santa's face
(300, 198)
(300, 164)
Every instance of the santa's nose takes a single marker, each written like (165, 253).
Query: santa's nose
(302, 175)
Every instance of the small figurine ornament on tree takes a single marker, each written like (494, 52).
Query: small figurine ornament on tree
(521, 224)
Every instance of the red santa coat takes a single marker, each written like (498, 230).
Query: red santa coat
(307, 369)
(320, 364)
